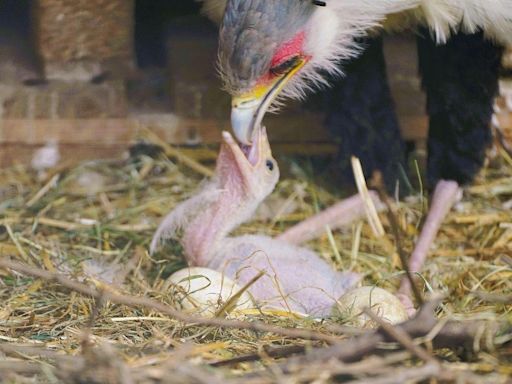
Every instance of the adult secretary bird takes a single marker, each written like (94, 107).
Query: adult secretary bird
(270, 49)
(295, 278)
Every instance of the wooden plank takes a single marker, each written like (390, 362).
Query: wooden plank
(22, 153)
(301, 129)
(96, 138)
(174, 130)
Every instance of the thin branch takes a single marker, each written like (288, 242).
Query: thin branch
(86, 334)
(178, 155)
(133, 301)
(401, 337)
(230, 305)
(378, 184)
(272, 352)
(413, 374)
(452, 335)
(20, 367)
(19, 350)
(493, 297)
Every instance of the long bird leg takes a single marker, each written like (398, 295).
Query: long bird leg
(446, 194)
(461, 81)
(335, 217)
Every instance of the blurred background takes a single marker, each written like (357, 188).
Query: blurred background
(90, 76)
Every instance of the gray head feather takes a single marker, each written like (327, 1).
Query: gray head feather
(251, 32)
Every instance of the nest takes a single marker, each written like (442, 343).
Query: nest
(84, 302)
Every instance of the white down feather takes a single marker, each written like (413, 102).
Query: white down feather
(441, 16)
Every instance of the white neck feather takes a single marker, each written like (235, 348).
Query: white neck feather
(332, 30)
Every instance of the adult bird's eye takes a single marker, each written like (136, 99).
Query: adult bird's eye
(284, 67)
(270, 165)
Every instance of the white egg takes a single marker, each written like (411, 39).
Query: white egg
(205, 291)
(384, 304)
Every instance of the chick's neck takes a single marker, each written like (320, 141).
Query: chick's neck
(203, 237)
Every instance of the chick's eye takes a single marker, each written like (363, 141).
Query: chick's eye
(270, 165)
(284, 67)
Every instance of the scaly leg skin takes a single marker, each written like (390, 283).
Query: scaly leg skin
(446, 194)
(337, 216)
(460, 88)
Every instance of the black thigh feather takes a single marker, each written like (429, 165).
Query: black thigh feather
(361, 115)
(461, 81)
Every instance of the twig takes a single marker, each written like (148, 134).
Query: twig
(452, 335)
(493, 298)
(21, 367)
(401, 336)
(280, 352)
(70, 226)
(178, 155)
(269, 351)
(371, 210)
(230, 305)
(86, 334)
(43, 191)
(378, 185)
(340, 358)
(413, 374)
(133, 301)
(9, 349)
(14, 239)
(329, 369)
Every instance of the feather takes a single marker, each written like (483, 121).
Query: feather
(494, 17)
(181, 215)
(443, 17)
(335, 30)
(342, 22)
(213, 9)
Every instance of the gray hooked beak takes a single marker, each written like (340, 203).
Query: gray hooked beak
(248, 110)
(246, 115)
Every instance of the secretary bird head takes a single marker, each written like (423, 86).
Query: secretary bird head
(271, 48)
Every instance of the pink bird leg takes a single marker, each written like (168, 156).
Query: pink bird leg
(337, 216)
(446, 194)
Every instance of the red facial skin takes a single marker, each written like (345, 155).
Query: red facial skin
(289, 49)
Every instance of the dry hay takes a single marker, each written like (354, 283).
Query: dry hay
(92, 223)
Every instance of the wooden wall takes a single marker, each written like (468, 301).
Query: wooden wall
(92, 99)
(78, 38)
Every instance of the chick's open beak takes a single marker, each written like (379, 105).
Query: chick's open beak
(248, 110)
(246, 156)
(249, 157)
